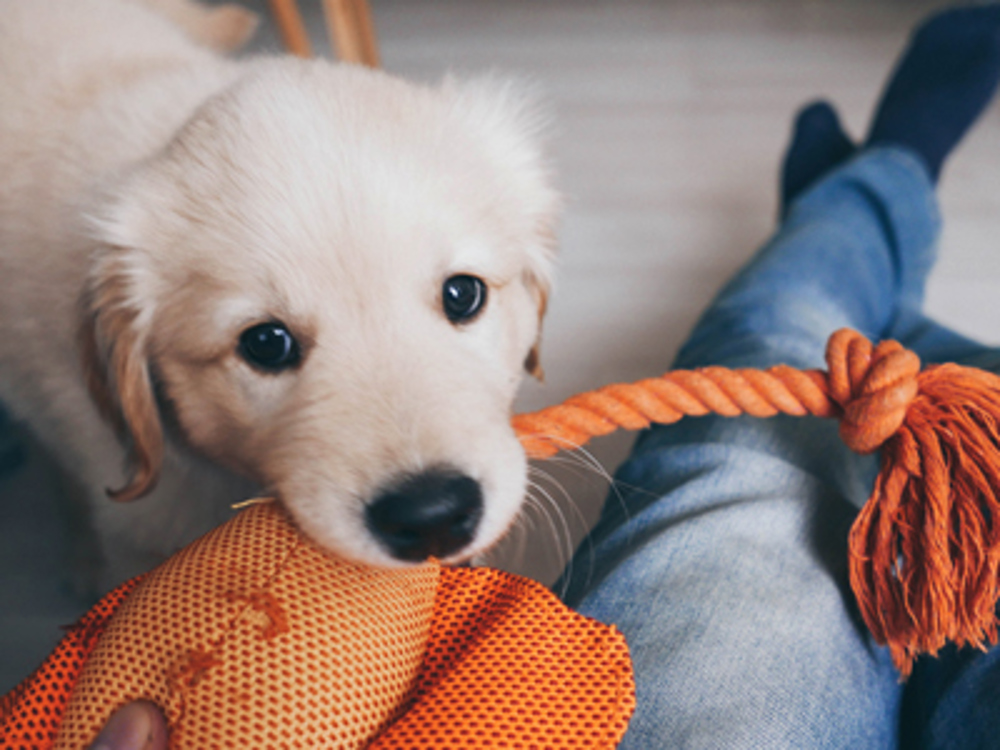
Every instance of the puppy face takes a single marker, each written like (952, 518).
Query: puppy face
(332, 282)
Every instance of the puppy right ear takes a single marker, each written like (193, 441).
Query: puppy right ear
(113, 346)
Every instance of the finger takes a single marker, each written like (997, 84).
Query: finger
(136, 726)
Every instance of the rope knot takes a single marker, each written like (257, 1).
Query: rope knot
(874, 387)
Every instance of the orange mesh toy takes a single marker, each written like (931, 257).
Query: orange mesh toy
(292, 648)
(252, 637)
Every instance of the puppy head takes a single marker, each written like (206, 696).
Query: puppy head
(332, 281)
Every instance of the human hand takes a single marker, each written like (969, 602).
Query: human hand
(135, 726)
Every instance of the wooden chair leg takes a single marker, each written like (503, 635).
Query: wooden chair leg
(293, 31)
(349, 23)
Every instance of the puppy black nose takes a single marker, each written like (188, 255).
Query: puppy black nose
(432, 514)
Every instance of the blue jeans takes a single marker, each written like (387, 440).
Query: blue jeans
(722, 553)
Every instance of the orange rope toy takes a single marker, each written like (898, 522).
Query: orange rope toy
(924, 550)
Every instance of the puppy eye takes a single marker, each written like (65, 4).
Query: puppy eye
(463, 297)
(269, 346)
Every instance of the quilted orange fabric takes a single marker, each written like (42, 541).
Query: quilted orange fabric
(252, 637)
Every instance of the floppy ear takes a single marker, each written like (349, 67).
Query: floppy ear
(115, 361)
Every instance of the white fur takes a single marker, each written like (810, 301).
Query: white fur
(161, 199)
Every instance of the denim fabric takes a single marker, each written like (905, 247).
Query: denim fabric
(722, 553)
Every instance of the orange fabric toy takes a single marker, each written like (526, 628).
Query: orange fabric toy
(253, 637)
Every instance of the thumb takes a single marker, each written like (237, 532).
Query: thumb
(135, 726)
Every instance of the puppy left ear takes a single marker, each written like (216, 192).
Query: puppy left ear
(113, 347)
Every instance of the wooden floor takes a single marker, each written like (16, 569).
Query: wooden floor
(669, 122)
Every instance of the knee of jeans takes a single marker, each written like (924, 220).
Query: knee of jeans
(809, 444)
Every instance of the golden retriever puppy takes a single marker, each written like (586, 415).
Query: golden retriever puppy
(272, 275)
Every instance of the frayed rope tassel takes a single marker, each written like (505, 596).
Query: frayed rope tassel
(925, 548)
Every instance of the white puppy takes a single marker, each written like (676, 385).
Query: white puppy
(307, 278)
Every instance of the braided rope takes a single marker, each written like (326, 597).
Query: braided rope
(869, 388)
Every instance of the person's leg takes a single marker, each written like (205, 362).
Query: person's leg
(721, 555)
(723, 561)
